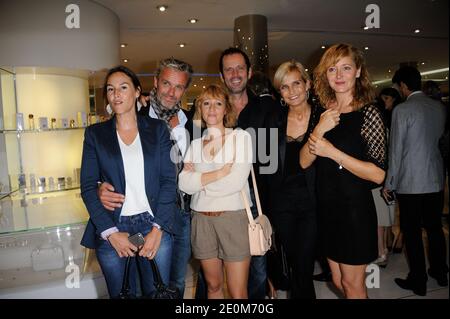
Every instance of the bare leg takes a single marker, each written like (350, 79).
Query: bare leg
(353, 281)
(336, 275)
(213, 271)
(237, 278)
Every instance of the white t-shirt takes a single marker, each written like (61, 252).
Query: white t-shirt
(136, 200)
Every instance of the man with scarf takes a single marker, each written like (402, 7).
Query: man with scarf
(171, 82)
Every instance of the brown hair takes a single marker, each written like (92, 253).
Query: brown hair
(363, 92)
(217, 92)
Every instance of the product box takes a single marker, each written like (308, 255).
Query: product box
(64, 123)
(82, 119)
(19, 121)
(43, 123)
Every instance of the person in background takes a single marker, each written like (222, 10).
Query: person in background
(118, 151)
(388, 99)
(171, 82)
(415, 174)
(216, 172)
(349, 148)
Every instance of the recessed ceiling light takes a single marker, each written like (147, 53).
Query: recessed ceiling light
(125, 60)
(389, 71)
(162, 8)
(195, 85)
(201, 79)
(204, 86)
(306, 70)
(423, 63)
(323, 47)
(181, 45)
(417, 31)
(193, 20)
(366, 48)
(123, 45)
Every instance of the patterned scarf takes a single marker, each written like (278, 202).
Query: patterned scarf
(161, 111)
(166, 114)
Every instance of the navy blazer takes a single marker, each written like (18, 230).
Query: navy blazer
(102, 162)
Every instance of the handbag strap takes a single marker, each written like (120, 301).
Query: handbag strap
(125, 282)
(156, 274)
(251, 220)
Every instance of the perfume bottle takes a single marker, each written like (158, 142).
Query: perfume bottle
(30, 121)
(53, 123)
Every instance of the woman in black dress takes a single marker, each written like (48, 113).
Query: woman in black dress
(291, 196)
(349, 147)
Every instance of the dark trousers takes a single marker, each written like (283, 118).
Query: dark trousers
(417, 211)
(297, 231)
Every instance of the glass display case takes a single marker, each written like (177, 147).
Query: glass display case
(43, 113)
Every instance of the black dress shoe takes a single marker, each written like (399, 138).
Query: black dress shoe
(323, 276)
(420, 290)
(441, 279)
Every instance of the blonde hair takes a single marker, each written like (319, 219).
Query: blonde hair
(288, 67)
(215, 91)
(363, 92)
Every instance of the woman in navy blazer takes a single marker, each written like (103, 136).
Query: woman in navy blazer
(131, 152)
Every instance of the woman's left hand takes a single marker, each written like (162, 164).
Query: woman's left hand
(320, 146)
(152, 242)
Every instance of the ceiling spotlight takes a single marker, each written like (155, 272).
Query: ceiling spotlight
(323, 47)
(366, 48)
(306, 70)
(423, 63)
(125, 60)
(162, 8)
(193, 20)
(181, 45)
(195, 85)
(389, 71)
(201, 79)
(123, 45)
(204, 86)
(417, 31)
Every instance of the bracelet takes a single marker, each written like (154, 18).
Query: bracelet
(340, 164)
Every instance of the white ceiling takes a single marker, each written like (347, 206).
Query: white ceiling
(297, 29)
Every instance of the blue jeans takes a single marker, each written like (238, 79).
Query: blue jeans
(181, 252)
(113, 266)
(257, 277)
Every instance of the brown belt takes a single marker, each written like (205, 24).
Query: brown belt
(211, 214)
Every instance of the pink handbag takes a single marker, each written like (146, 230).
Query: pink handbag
(259, 229)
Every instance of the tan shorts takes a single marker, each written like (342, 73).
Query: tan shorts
(224, 237)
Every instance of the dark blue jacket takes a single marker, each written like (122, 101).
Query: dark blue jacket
(102, 162)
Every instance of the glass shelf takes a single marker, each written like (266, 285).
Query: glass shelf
(38, 212)
(45, 190)
(41, 130)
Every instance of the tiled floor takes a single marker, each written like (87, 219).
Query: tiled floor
(397, 267)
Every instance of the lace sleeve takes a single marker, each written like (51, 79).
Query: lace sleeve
(373, 133)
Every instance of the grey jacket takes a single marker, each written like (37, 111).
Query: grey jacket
(415, 163)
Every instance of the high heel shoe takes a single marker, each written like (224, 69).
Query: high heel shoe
(382, 260)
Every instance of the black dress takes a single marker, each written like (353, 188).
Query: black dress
(347, 215)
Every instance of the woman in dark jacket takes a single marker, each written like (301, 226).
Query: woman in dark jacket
(131, 152)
